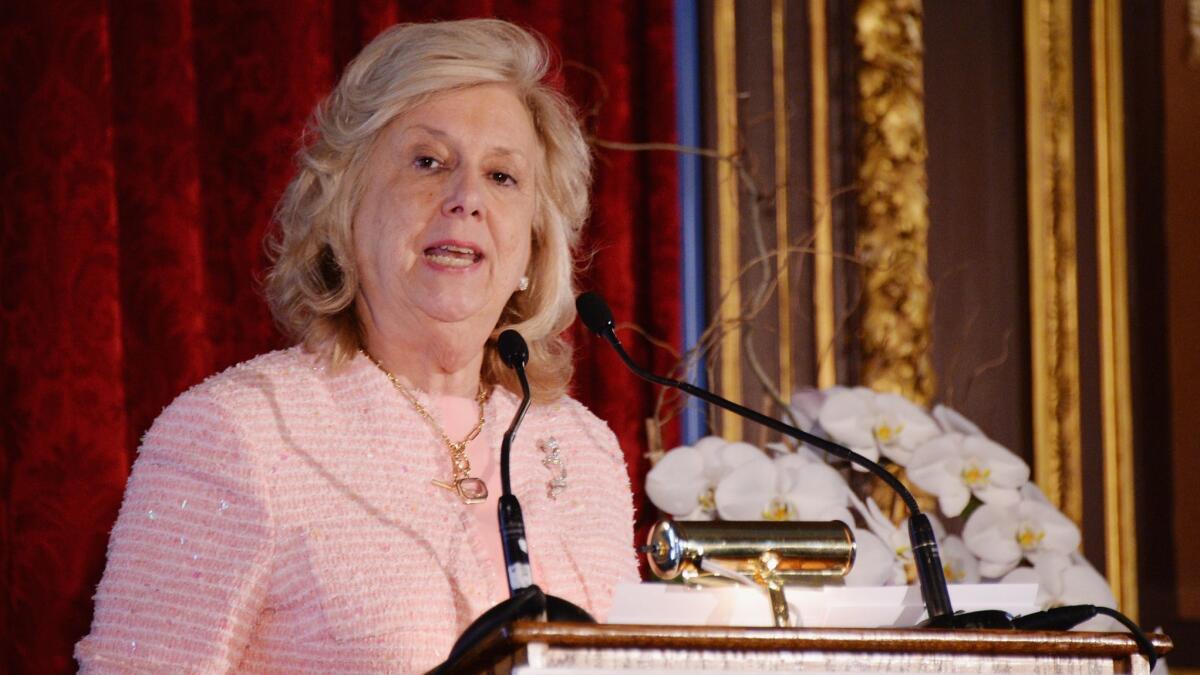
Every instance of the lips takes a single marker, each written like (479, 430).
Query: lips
(453, 255)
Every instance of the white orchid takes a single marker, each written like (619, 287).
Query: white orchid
(942, 452)
(954, 466)
(874, 424)
(894, 538)
(953, 421)
(958, 564)
(806, 406)
(1064, 580)
(875, 562)
(802, 451)
(1002, 535)
(682, 483)
(789, 487)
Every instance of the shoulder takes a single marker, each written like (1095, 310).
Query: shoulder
(223, 410)
(258, 375)
(265, 381)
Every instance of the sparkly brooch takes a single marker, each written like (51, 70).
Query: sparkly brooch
(552, 460)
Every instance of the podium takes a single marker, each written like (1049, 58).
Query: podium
(532, 647)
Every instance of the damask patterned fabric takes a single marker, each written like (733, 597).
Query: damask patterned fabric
(280, 518)
(143, 146)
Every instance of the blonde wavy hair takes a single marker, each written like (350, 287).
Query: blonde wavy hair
(313, 281)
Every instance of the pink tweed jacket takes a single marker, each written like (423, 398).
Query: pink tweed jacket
(280, 518)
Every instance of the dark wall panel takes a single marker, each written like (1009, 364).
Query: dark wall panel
(974, 113)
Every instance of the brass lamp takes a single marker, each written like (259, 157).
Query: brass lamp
(771, 553)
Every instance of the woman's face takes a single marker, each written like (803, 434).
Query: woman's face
(442, 232)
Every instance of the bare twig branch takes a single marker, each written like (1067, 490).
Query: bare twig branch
(758, 277)
(989, 365)
(765, 380)
(661, 344)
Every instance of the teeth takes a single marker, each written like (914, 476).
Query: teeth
(452, 256)
(455, 250)
(451, 261)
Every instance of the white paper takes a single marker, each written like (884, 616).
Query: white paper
(655, 603)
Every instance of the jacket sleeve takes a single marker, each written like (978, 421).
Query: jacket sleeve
(190, 554)
(605, 489)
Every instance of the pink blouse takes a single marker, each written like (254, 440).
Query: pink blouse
(280, 518)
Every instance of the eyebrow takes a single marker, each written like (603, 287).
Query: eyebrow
(439, 134)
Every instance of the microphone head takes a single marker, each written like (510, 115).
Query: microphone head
(513, 350)
(595, 313)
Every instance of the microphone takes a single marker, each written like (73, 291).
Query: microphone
(526, 600)
(515, 354)
(934, 592)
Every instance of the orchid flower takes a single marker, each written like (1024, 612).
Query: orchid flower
(683, 482)
(942, 452)
(875, 563)
(1002, 535)
(873, 423)
(802, 451)
(788, 487)
(806, 406)
(953, 467)
(958, 564)
(953, 421)
(894, 539)
(1064, 580)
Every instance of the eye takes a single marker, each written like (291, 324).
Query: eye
(501, 178)
(427, 162)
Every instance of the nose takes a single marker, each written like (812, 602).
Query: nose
(464, 195)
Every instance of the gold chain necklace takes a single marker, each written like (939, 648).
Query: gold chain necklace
(470, 489)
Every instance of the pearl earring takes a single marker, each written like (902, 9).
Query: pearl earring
(524, 284)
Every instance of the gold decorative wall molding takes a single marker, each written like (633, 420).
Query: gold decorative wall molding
(1054, 322)
(1116, 389)
(730, 303)
(783, 292)
(823, 314)
(893, 237)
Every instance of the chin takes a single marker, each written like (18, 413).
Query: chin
(456, 312)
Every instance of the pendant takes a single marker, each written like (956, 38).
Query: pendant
(470, 490)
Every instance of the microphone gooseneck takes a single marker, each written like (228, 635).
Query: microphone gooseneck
(515, 355)
(934, 592)
(526, 600)
(596, 316)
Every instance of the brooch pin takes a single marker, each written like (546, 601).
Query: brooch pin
(552, 460)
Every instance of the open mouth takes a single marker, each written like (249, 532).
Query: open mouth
(449, 255)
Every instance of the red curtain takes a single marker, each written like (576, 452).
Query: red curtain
(142, 148)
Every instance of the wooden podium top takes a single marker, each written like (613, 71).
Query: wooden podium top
(530, 646)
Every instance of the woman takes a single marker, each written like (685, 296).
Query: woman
(332, 507)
